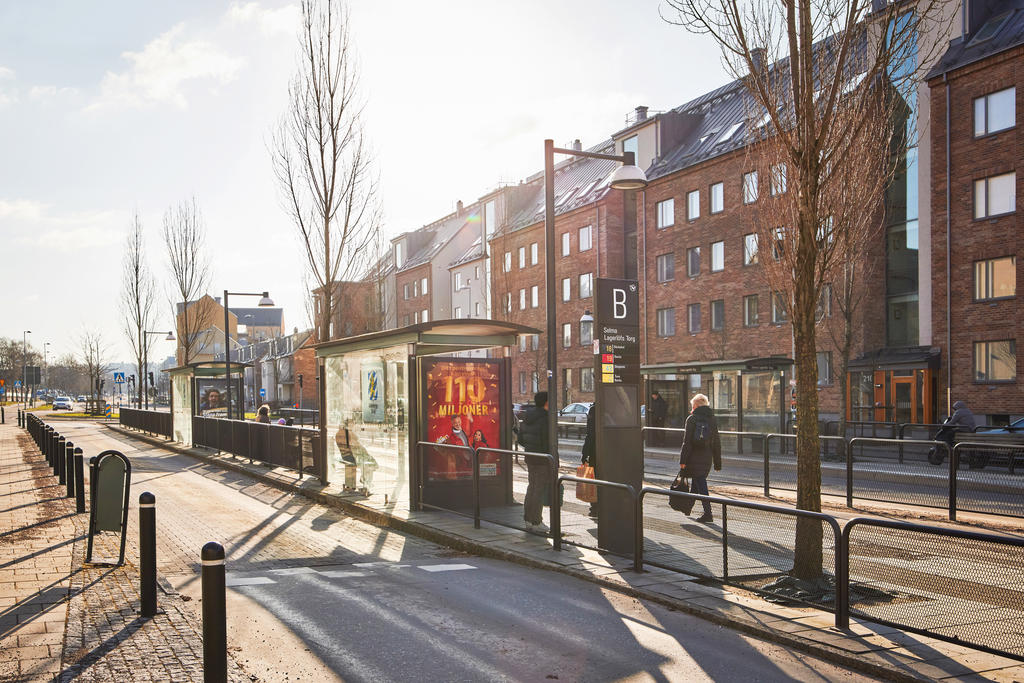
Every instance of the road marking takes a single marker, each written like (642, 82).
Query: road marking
(342, 574)
(287, 571)
(367, 565)
(445, 567)
(249, 581)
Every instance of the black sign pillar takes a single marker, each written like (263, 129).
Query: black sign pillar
(620, 456)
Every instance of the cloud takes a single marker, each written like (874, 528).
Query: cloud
(281, 20)
(159, 73)
(43, 92)
(33, 223)
(6, 73)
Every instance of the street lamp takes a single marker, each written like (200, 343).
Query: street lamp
(145, 361)
(625, 177)
(265, 301)
(24, 366)
(45, 344)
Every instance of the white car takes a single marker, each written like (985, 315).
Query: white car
(62, 403)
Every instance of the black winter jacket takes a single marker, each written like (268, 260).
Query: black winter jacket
(533, 433)
(698, 457)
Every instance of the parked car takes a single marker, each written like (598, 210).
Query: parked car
(574, 412)
(62, 403)
(519, 409)
(81, 399)
(1015, 427)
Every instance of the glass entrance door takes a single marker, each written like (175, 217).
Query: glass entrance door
(904, 399)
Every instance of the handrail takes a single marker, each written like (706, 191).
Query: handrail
(556, 509)
(842, 617)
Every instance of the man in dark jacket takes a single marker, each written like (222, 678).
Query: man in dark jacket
(657, 412)
(590, 449)
(533, 435)
(702, 447)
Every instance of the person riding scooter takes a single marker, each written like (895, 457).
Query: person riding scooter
(962, 420)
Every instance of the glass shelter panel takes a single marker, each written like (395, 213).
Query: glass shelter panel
(181, 408)
(761, 394)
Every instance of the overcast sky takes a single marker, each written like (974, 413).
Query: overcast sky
(112, 106)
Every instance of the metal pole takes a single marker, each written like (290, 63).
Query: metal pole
(79, 481)
(215, 641)
(147, 554)
(227, 357)
(954, 466)
(62, 449)
(69, 469)
(549, 293)
(849, 473)
(765, 444)
(725, 542)
(145, 365)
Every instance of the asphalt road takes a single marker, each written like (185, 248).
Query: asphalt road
(315, 595)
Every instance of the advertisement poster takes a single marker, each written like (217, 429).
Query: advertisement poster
(463, 408)
(211, 395)
(372, 391)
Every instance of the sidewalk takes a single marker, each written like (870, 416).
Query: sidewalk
(881, 651)
(63, 620)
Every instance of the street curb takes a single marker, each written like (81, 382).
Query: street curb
(463, 544)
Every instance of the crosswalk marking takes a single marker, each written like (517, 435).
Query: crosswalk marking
(247, 581)
(343, 574)
(338, 573)
(445, 567)
(287, 571)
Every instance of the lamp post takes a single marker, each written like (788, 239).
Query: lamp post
(24, 366)
(625, 177)
(265, 301)
(145, 361)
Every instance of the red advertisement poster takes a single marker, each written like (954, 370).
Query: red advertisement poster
(463, 404)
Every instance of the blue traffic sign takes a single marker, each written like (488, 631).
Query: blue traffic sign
(118, 378)
(17, 383)
(263, 393)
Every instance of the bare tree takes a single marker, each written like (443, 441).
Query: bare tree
(818, 72)
(94, 358)
(138, 299)
(185, 242)
(68, 375)
(321, 157)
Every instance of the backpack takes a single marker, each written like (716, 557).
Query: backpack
(701, 432)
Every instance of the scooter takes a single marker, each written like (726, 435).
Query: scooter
(947, 433)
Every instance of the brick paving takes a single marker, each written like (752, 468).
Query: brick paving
(66, 621)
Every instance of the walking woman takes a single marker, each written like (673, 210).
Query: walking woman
(702, 447)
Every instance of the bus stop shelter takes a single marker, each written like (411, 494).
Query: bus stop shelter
(384, 392)
(197, 389)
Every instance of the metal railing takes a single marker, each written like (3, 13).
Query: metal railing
(556, 509)
(152, 421)
(972, 598)
(275, 445)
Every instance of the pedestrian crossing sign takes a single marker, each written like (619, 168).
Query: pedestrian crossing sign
(118, 378)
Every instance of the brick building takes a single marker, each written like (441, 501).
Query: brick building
(977, 318)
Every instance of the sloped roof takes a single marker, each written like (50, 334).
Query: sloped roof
(437, 236)
(1002, 31)
(261, 317)
(475, 252)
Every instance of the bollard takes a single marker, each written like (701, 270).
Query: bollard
(69, 469)
(215, 639)
(44, 444)
(3, 416)
(59, 466)
(79, 481)
(147, 554)
(20, 423)
(55, 446)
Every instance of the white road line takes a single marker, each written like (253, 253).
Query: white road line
(445, 567)
(287, 571)
(247, 581)
(367, 565)
(342, 574)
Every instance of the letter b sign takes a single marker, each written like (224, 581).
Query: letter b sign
(618, 302)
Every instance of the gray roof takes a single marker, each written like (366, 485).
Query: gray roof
(261, 317)
(436, 236)
(1002, 30)
(474, 253)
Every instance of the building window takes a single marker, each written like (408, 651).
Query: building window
(477, 309)
(476, 272)
(666, 264)
(522, 383)
(423, 316)
(534, 297)
(535, 381)
(522, 343)
(458, 312)
(750, 249)
(778, 308)
(405, 291)
(507, 264)
(533, 253)
(566, 335)
(718, 198)
(666, 211)
(718, 315)
(423, 287)
(416, 288)
(631, 144)
(824, 308)
(399, 258)
(995, 361)
(778, 243)
(693, 318)
(522, 257)
(750, 312)
(693, 261)
(508, 302)
(693, 205)
(405, 321)
(566, 288)
(522, 299)
(416, 317)
(586, 238)
(995, 195)
(666, 322)
(995, 112)
(458, 282)
(824, 368)
(777, 180)
(717, 257)
(587, 379)
(565, 244)
(490, 218)
(750, 187)
(534, 342)
(995, 278)
(586, 332)
(586, 285)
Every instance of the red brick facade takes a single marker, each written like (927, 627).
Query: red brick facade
(409, 309)
(973, 240)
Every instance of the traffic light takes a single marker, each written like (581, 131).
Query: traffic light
(151, 379)
(300, 380)
(131, 379)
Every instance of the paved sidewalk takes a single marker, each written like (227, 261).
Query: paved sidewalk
(67, 621)
(879, 650)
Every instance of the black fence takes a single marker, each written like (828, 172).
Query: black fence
(275, 445)
(152, 421)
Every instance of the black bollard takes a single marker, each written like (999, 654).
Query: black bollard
(79, 481)
(55, 445)
(147, 553)
(19, 418)
(215, 626)
(3, 416)
(48, 445)
(69, 469)
(58, 460)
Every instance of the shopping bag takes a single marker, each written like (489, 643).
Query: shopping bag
(586, 492)
(680, 503)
